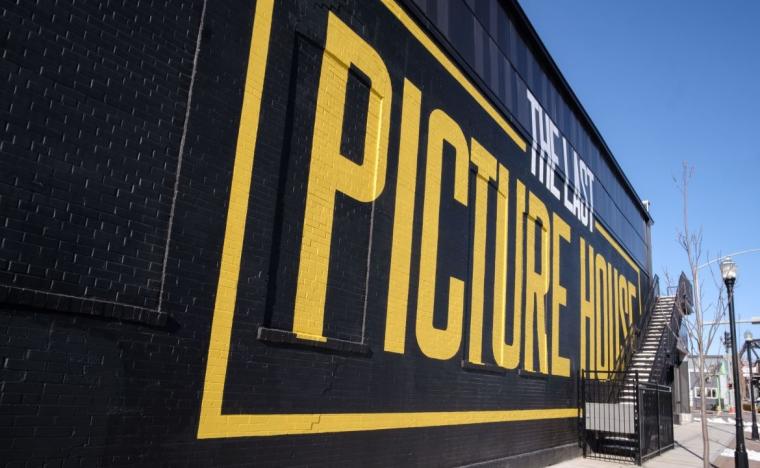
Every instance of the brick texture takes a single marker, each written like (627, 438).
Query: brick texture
(97, 367)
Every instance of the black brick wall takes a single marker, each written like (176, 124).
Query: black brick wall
(94, 97)
(96, 367)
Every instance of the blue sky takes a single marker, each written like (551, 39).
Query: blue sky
(667, 82)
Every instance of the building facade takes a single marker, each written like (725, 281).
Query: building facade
(277, 233)
(718, 393)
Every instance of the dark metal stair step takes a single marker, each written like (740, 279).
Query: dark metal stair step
(618, 440)
(624, 448)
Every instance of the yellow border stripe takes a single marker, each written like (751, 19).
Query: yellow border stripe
(212, 423)
(436, 52)
(617, 247)
(237, 212)
(266, 425)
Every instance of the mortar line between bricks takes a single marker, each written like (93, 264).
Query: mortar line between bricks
(182, 142)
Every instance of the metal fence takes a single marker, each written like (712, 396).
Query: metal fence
(610, 416)
(624, 420)
(655, 419)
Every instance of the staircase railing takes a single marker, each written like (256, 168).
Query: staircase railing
(634, 339)
(633, 429)
(608, 427)
(670, 334)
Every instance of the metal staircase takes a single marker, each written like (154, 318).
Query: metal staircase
(627, 412)
(642, 363)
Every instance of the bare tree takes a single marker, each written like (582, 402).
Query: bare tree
(700, 334)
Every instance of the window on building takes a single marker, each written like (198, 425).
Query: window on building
(709, 392)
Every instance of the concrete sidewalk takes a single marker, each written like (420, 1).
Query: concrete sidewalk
(725, 459)
(688, 450)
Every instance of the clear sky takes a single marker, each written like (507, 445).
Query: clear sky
(667, 82)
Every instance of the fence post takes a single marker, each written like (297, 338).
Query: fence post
(637, 423)
(669, 402)
(659, 423)
(582, 411)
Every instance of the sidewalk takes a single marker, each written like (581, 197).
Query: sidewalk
(688, 449)
(725, 459)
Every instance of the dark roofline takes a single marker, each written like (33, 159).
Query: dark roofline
(545, 59)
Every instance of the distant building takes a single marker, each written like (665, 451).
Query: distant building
(718, 393)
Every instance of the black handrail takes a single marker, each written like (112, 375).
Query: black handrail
(649, 305)
(669, 336)
(605, 425)
(633, 341)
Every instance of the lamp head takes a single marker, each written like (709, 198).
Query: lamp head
(728, 269)
(747, 335)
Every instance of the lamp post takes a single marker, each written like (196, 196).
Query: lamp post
(728, 272)
(749, 345)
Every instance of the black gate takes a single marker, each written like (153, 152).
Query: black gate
(622, 419)
(655, 419)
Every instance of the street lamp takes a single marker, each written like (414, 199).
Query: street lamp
(728, 272)
(749, 345)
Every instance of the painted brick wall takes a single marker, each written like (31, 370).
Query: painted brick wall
(93, 108)
(97, 366)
